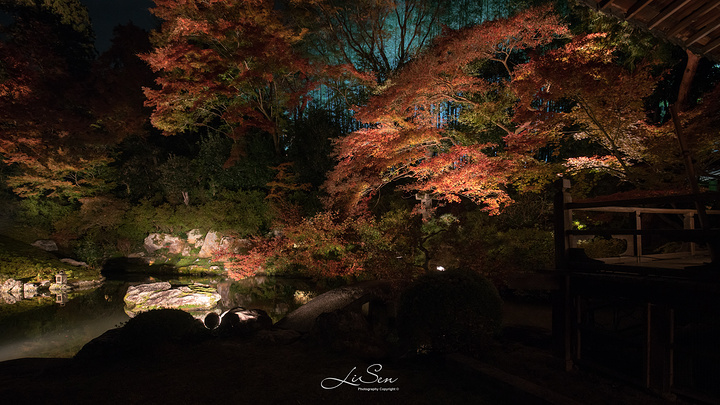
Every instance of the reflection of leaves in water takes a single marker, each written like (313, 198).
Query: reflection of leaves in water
(274, 295)
(41, 316)
(40, 327)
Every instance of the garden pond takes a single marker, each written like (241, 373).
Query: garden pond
(60, 325)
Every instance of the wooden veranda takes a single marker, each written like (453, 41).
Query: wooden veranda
(650, 318)
(691, 24)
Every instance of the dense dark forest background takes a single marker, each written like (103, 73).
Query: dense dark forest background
(357, 139)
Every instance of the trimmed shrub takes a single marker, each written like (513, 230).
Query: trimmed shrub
(455, 310)
(603, 247)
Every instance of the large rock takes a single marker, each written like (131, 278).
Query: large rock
(146, 297)
(30, 290)
(156, 241)
(235, 245)
(143, 335)
(12, 286)
(348, 330)
(195, 237)
(210, 245)
(46, 245)
(74, 262)
(11, 291)
(9, 298)
(303, 318)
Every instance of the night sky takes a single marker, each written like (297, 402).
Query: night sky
(106, 14)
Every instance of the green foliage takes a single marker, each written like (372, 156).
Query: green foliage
(214, 152)
(498, 252)
(634, 44)
(322, 247)
(43, 213)
(521, 250)
(104, 227)
(22, 261)
(177, 176)
(311, 146)
(91, 251)
(602, 247)
(449, 311)
(137, 169)
(202, 165)
(248, 163)
(241, 212)
(402, 228)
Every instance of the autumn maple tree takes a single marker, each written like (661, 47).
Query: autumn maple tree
(412, 136)
(118, 78)
(603, 103)
(46, 132)
(229, 65)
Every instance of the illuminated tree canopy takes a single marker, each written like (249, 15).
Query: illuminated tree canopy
(230, 65)
(411, 137)
(320, 129)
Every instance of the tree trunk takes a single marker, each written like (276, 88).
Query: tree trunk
(687, 79)
(680, 105)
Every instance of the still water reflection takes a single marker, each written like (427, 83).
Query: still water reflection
(42, 327)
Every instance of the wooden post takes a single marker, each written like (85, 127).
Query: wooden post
(562, 223)
(563, 308)
(689, 223)
(659, 365)
(638, 238)
(681, 102)
(579, 308)
(695, 187)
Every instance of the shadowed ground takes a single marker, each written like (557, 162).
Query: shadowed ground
(517, 369)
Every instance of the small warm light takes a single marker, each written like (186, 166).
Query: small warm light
(440, 268)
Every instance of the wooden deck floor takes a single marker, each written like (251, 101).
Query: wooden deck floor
(678, 261)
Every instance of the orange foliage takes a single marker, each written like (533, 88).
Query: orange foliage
(227, 63)
(409, 138)
(608, 102)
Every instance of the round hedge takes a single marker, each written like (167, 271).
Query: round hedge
(453, 310)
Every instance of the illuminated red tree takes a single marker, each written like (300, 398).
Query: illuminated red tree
(410, 137)
(46, 132)
(227, 64)
(604, 104)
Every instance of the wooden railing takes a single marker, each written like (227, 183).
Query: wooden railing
(566, 238)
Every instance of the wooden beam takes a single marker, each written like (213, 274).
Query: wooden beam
(636, 8)
(632, 202)
(694, 16)
(668, 12)
(687, 235)
(643, 210)
(604, 3)
(709, 47)
(715, 24)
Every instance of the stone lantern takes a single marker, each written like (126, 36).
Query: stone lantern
(61, 298)
(61, 278)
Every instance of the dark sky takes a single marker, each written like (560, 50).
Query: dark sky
(106, 14)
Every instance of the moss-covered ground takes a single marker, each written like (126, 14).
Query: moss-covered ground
(21, 261)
